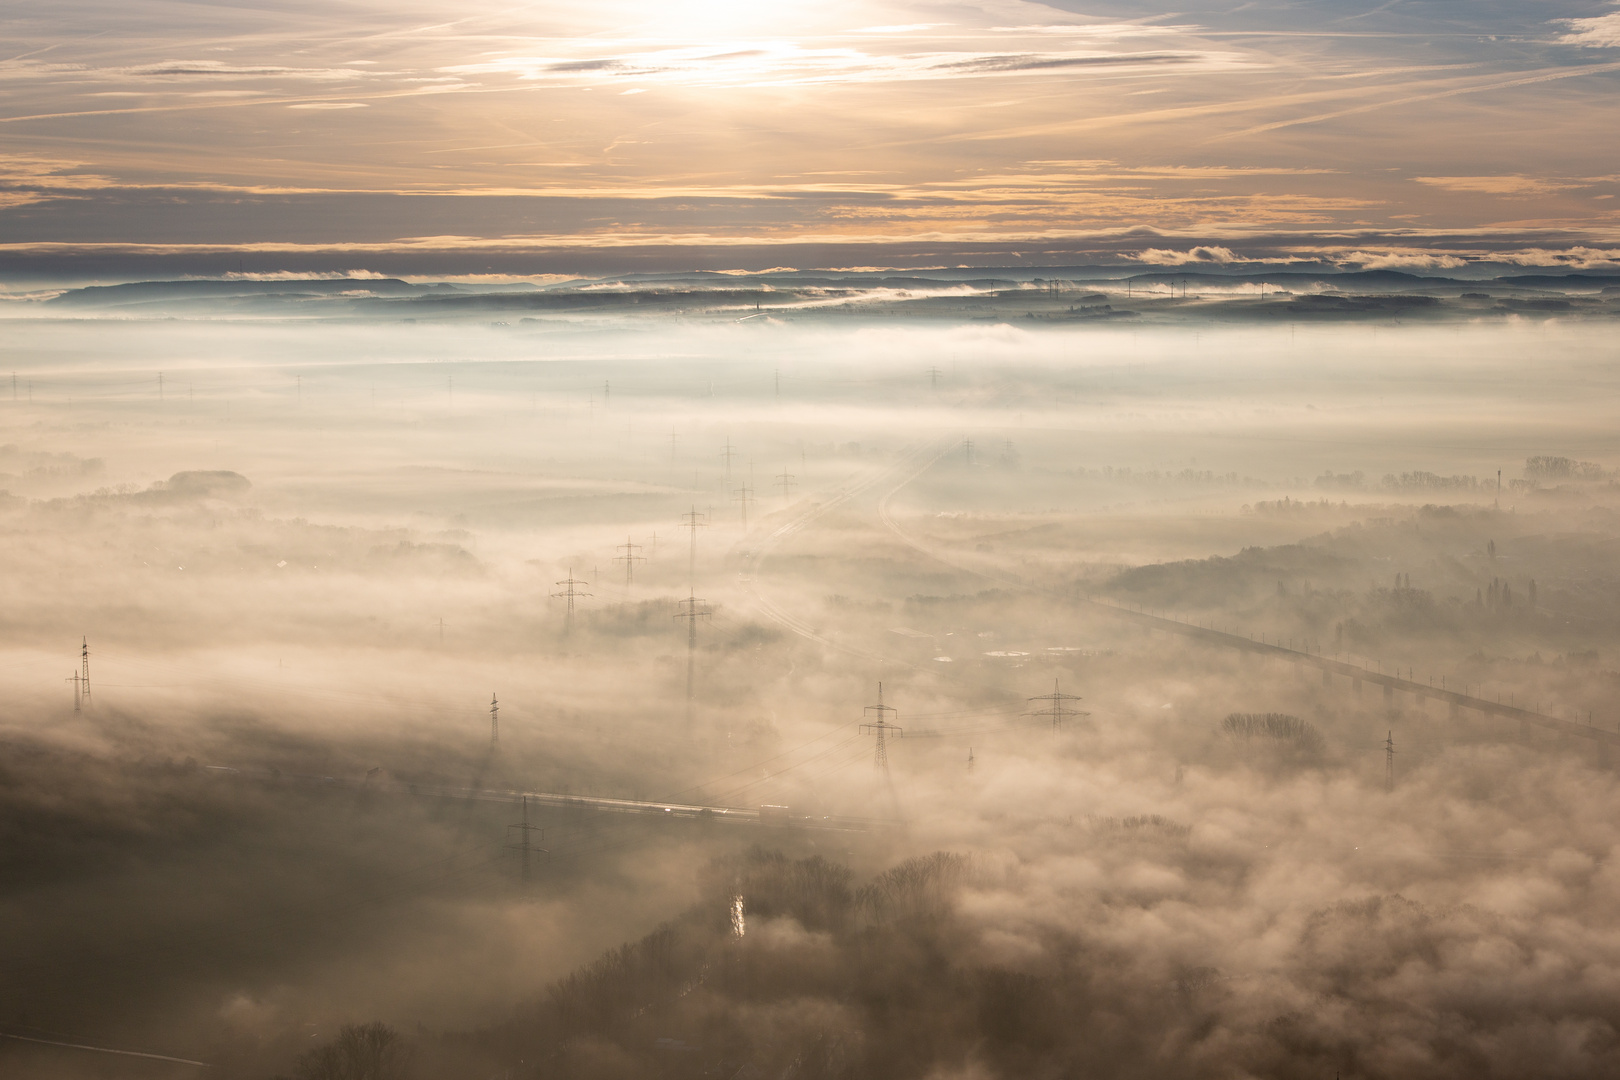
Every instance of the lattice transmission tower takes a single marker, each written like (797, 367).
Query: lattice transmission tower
(1057, 706)
(524, 842)
(629, 558)
(692, 609)
(693, 520)
(570, 591)
(881, 727)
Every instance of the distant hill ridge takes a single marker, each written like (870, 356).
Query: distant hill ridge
(225, 287)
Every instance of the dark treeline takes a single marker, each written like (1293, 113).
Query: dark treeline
(787, 968)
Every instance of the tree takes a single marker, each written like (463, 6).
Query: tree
(360, 1052)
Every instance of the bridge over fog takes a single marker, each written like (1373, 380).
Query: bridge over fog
(764, 814)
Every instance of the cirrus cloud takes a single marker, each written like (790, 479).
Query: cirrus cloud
(1596, 32)
(1500, 185)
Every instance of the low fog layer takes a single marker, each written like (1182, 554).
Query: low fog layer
(320, 562)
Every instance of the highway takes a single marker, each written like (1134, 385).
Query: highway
(1358, 674)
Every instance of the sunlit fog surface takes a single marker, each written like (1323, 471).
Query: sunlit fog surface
(306, 557)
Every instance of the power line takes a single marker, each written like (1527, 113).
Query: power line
(785, 481)
(1389, 762)
(744, 495)
(494, 723)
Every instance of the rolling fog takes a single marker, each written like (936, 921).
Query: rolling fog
(305, 556)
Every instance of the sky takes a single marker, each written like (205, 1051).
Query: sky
(729, 135)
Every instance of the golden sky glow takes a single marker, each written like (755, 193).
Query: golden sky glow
(497, 126)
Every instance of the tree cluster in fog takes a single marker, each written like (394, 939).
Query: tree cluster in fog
(908, 975)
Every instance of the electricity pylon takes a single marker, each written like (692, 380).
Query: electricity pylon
(81, 678)
(84, 667)
(1057, 706)
(629, 558)
(727, 454)
(691, 609)
(524, 844)
(693, 520)
(570, 592)
(881, 727)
